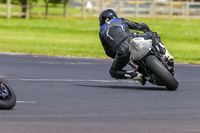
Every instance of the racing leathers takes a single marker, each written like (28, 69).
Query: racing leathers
(115, 38)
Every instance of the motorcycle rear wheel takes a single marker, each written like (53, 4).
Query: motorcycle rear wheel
(162, 74)
(7, 96)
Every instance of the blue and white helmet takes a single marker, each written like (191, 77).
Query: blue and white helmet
(106, 15)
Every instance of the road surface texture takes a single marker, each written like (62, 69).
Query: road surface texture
(77, 95)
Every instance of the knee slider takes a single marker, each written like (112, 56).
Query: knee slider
(112, 73)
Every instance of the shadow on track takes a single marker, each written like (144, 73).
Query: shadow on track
(159, 88)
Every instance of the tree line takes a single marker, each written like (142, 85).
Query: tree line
(24, 4)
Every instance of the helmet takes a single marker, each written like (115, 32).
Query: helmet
(106, 15)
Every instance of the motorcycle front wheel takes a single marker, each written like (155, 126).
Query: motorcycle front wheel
(7, 96)
(161, 73)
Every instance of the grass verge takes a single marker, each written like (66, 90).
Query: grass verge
(74, 37)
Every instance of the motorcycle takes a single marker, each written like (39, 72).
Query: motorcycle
(7, 95)
(148, 61)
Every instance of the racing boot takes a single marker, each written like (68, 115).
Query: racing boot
(136, 76)
(170, 62)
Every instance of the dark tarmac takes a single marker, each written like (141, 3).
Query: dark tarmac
(77, 95)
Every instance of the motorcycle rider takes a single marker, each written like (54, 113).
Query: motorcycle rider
(115, 38)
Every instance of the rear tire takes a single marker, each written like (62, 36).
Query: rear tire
(7, 96)
(162, 74)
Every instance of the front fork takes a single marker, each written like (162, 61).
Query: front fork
(164, 60)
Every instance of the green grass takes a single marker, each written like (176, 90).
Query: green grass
(74, 37)
(50, 37)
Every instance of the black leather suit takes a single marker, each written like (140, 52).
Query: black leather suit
(115, 38)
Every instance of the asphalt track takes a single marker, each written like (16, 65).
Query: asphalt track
(77, 95)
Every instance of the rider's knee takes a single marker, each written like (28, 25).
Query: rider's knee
(112, 72)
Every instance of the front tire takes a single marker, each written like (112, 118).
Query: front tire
(7, 96)
(162, 74)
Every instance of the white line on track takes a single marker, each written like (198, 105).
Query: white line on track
(73, 80)
(68, 63)
(65, 80)
(91, 80)
(29, 102)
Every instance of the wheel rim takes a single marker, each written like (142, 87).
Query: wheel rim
(4, 93)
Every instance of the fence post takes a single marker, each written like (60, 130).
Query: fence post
(171, 10)
(100, 5)
(153, 10)
(83, 9)
(187, 10)
(118, 7)
(8, 9)
(136, 9)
